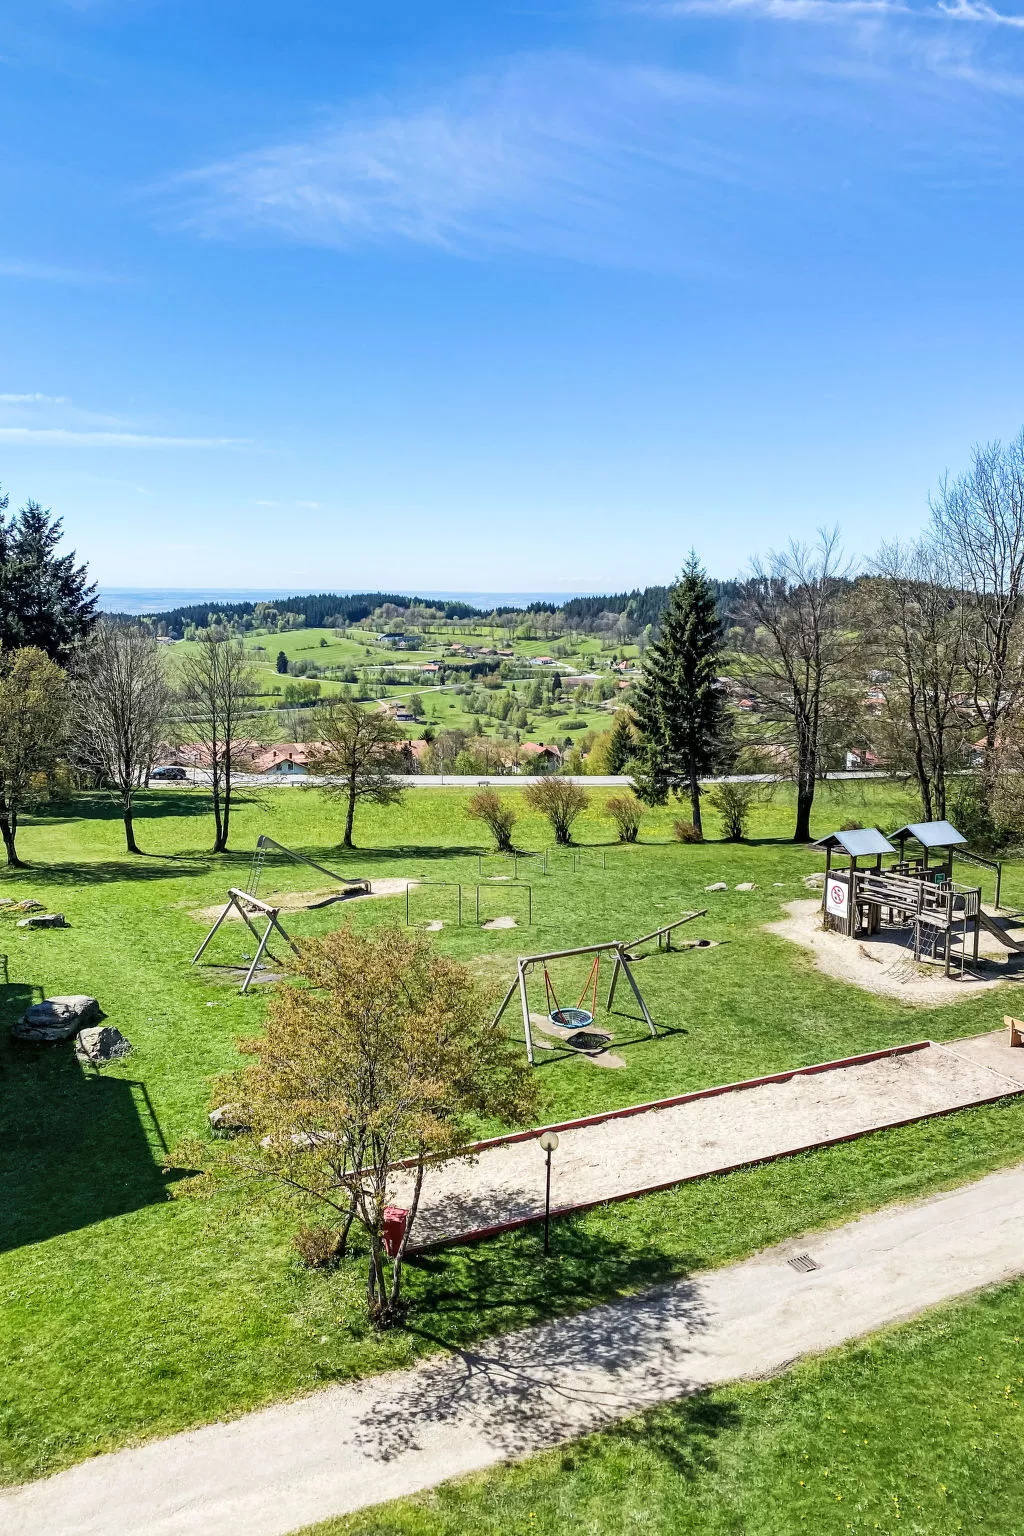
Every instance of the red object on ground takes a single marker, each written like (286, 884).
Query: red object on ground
(394, 1228)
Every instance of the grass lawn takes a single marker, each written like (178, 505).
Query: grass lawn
(127, 1314)
(917, 1431)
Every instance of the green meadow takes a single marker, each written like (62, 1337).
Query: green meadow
(128, 1314)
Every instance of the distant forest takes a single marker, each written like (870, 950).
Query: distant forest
(331, 609)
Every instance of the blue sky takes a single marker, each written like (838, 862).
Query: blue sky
(501, 296)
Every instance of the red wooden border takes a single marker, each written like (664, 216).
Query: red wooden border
(683, 1098)
(476, 1234)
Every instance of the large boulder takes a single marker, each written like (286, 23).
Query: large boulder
(45, 920)
(101, 1042)
(227, 1118)
(56, 1018)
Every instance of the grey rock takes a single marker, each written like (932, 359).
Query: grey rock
(28, 905)
(748, 885)
(45, 920)
(227, 1117)
(101, 1043)
(56, 1018)
(719, 885)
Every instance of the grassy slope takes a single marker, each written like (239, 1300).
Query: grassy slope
(444, 708)
(918, 1430)
(126, 1314)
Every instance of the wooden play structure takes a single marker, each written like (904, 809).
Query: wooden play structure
(577, 1017)
(251, 910)
(916, 891)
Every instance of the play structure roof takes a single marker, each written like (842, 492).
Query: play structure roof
(859, 841)
(931, 834)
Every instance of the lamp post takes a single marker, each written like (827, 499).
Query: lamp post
(548, 1143)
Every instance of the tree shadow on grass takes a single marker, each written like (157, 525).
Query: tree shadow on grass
(529, 1389)
(680, 1434)
(112, 871)
(78, 1146)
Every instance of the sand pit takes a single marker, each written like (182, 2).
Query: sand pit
(885, 964)
(712, 1131)
(304, 901)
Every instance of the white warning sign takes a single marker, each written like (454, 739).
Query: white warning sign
(837, 897)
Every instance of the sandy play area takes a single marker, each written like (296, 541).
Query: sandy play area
(885, 964)
(301, 901)
(615, 1157)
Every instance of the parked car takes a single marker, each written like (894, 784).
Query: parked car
(177, 774)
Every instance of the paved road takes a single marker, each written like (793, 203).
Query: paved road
(198, 777)
(272, 1472)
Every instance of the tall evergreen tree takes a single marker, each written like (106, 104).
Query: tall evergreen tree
(622, 747)
(46, 600)
(680, 706)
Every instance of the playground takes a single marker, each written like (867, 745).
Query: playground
(199, 1310)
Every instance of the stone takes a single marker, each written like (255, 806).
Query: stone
(227, 1117)
(719, 885)
(748, 885)
(102, 1042)
(45, 920)
(56, 1018)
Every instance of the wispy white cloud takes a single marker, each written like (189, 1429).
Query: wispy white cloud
(839, 11)
(34, 399)
(545, 156)
(37, 271)
(61, 437)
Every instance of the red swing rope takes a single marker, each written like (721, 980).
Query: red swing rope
(590, 985)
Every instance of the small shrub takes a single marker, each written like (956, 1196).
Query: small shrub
(498, 815)
(627, 813)
(318, 1247)
(575, 725)
(852, 826)
(561, 801)
(686, 832)
(733, 802)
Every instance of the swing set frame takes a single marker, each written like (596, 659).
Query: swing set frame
(249, 907)
(526, 963)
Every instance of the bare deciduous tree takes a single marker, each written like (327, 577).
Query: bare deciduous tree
(121, 700)
(800, 653)
(911, 617)
(219, 683)
(359, 751)
(978, 522)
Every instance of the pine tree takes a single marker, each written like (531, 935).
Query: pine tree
(622, 747)
(680, 707)
(46, 600)
(282, 663)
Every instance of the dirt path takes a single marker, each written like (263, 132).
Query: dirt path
(272, 1472)
(621, 1156)
(885, 964)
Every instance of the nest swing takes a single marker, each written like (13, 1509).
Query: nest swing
(578, 1017)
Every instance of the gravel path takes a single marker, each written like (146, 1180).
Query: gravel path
(272, 1472)
(617, 1157)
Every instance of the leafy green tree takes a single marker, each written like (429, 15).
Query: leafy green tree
(389, 1053)
(282, 663)
(33, 721)
(46, 600)
(680, 706)
(416, 706)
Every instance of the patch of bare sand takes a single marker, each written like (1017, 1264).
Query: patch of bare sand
(301, 901)
(885, 964)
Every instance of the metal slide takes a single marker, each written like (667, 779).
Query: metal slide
(263, 843)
